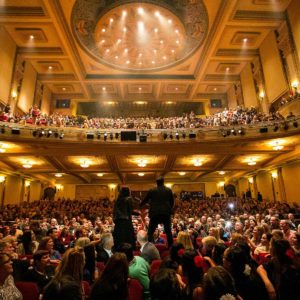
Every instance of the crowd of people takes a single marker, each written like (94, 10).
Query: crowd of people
(228, 117)
(222, 248)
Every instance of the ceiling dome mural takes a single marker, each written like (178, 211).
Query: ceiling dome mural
(139, 35)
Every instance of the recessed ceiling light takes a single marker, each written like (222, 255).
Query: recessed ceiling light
(100, 174)
(140, 54)
(227, 69)
(154, 50)
(176, 31)
(58, 175)
(126, 50)
(103, 41)
(245, 40)
(111, 20)
(140, 88)
(50, 67)
(141, 174)
(164, 57)
(140, 10)
(104, 88)
(116, 57)
(119, 41)
(103, 29)
(176, 89)
(140, 63)
(157, 14)
(124, 13)
(170, 21)
(177, 41)
(155, 30)
(63, 88)
(31, 37)
(124, 29)
(172, 50)
(127, 62)
(107, 50)
(161, 41)
(221, 172)
(181, 173)
(153, 62)
(215, 89)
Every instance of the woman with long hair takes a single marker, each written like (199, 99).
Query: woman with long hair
(112, 283)
(279, 274)
(70, 268)
(123, 230)
(218, 284)
(192, 269)
(185, 239)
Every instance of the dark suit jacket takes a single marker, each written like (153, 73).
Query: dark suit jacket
(150, 252)
(161, 201)
(102, 255)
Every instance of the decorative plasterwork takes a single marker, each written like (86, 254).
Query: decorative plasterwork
(170, 31)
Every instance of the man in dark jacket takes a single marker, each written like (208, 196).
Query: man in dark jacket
(161, 203)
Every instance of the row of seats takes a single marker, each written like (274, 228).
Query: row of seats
(30, 291)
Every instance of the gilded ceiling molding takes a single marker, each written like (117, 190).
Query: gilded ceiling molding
(21, 11)
(105, 29)
(259, 15)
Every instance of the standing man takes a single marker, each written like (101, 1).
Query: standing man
(161, 203)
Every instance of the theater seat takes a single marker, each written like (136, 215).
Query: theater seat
(161, 248)
(86, 289)
(29, 290)
(154, 267)
(164, 254)
(100, 266)
(135, 290)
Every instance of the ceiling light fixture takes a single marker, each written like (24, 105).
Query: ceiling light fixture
(181, 173)
(27, 165)
(197, 162)
(142, 163)
(245, 40)
(141, 174)
(222, 172)
(277, 146)
(58, 175)
(100, 174)
(251, 161)
(84, 164)
(31, 37)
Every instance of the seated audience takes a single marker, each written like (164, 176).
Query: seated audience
(104, 250)
(47, 244)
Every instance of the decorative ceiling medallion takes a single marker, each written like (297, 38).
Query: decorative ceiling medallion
(139, 35)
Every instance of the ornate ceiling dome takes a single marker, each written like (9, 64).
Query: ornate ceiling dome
(139, 35)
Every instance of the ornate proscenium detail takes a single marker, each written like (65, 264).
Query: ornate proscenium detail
(139, 35)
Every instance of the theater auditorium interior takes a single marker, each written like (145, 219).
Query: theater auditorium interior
(190, 105)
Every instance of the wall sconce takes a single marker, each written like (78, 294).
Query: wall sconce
(14, 94)
(261, 95)
(221, 184)
(169, 185)
(274, 174)
(250, 180)
(59, 187)
(2, 178)
(27, 183)
(112, 186)
(295, 84)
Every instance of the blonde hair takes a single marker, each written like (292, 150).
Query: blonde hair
(185, 239)
(209, 242)
(82, 242)
(72, 264)
(215, 232)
